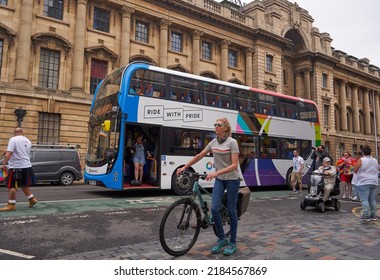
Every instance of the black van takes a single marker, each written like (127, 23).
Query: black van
(59, 165)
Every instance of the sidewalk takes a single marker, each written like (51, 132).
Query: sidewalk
(310, 238)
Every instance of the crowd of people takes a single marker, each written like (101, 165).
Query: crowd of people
(359, 175)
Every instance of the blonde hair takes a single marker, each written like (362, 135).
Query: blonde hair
(226, 124)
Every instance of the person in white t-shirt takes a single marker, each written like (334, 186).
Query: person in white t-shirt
(367, 169)
(20, 172)
(298, 164)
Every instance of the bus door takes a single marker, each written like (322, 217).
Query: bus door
(151, 141)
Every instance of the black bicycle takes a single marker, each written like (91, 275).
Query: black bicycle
(183, 220)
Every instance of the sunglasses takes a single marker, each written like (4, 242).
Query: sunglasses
(219, 124)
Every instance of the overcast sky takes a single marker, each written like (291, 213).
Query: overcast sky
(354, 26)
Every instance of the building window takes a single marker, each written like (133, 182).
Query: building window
(53, 8)
(177, 42)
(232, 58)
(101, 20)
(4, 2)
(327, 146)
(326, 115)
(269, 63)
(324, 80)
(48, 128)
(49, 68)
(98, 73)
(142, 31)
(1, 55)
(206, 50)
(285, 77)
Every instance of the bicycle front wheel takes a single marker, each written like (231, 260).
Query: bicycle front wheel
(180, 226)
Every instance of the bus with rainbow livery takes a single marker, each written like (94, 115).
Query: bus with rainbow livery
(175, 112)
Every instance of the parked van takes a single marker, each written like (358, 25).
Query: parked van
(57, 164)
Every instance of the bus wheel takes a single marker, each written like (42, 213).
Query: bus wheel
(182, 184)
(288, 179)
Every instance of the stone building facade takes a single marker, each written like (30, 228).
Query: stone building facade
(53, 54)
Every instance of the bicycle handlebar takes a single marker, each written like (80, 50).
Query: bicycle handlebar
(196, 176)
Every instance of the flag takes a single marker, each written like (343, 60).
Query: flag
(3, 174)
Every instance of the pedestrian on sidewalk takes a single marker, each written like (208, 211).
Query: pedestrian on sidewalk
(355, 193)
(20, 172)
(225, 151)
(345, 166)
(296, 176)
(366, 169)
(318, 154)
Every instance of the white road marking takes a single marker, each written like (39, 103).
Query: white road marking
(16, 254)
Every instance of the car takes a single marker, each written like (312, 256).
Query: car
(56, 164)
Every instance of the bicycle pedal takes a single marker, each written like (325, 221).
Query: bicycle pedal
(204, 224)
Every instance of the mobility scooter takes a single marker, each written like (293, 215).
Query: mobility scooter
(315, 196)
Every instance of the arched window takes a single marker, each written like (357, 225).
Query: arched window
(100, 61)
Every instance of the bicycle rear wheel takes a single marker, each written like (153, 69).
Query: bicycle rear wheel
(225, 218)
(180, 226)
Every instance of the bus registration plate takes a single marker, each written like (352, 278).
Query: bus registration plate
(91, 182)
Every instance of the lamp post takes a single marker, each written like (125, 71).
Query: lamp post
(20, 113)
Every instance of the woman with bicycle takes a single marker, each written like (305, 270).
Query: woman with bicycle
(225, 151)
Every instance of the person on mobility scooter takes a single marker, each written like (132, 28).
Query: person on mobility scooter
(324, 185)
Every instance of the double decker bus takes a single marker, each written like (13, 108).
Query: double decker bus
(175, 113)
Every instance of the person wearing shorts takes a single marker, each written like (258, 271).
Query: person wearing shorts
(296, 177)
(20, 172)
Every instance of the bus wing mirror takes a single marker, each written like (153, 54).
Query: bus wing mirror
(106, 125)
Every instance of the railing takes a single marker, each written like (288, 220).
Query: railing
(212, 6)
(238, 16)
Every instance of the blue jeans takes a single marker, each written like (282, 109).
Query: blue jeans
(355, 191)
(232, 195)
(368, 198)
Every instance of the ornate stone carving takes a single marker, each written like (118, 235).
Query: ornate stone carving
(249, 51)
(197, 34)
(225, 43)
(294, 15)
(127, 11)
(164, 23)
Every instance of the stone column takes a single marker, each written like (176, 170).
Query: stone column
(367, 113)
(164, 26)
(355, 109)
(248, 66)
(125, 34)
(224, 59)
(377, 112)
(307, 83)
(24, 42)
(79, 41)
(299, 90)
(343, 108)
(196, 51)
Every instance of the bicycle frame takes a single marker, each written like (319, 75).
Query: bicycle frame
(197, 192)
